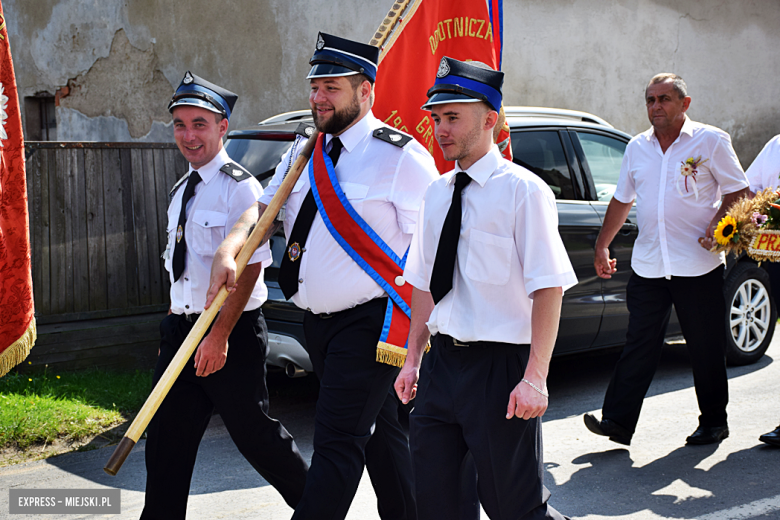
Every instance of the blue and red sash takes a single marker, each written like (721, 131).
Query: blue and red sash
(368, 250)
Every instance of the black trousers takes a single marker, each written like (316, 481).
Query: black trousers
(461, 405)
(355, 402)
(239, 394)
(701, 309)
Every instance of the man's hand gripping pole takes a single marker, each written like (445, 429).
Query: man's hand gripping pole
(184, 353)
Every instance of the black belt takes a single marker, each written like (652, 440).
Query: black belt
(449, 340)
(329, 315)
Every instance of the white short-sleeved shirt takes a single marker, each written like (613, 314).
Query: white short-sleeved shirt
(509, 247)
(385, 184)
(764, 172)
(671, 216)
(218, 203)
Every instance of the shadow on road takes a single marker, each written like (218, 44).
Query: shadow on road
(672, 486)
(580, 381)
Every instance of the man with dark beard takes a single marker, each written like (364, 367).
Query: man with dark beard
(379, 175)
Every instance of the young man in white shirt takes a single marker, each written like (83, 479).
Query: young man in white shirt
(676, 171)
(205, 203)
(488, 269)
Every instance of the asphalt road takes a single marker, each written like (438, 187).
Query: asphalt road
(589, 476)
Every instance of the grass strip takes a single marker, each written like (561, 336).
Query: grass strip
(39, 408)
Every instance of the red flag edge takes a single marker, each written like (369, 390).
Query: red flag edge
(18, 350)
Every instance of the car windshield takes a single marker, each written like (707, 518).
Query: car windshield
(259, 156)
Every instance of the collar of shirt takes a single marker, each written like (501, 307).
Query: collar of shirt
(211, 169)
(481, 170)
(687, 129)
(356, 133)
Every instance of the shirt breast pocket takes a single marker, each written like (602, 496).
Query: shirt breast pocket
(298, 185)
(355, 193)
(489, 257)
(207, 231)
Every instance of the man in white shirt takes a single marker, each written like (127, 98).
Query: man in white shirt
(381, 175)
(763, 173)
(677, 171)
(205, 203)
(488, 269)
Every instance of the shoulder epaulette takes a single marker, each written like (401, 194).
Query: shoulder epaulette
(392, 136)
(305, 130)
(176, 187)
(235, 171)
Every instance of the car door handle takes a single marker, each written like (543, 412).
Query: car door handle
(628, 227)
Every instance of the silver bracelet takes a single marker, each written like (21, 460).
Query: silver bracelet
(526, 381)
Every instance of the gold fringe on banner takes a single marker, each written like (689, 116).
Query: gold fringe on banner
(392, 355)
(18, 350)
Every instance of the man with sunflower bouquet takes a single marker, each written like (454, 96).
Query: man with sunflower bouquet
(676, 171)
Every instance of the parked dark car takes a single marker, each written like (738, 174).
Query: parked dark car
(579, 156)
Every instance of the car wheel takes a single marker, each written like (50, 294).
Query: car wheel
(750, 314)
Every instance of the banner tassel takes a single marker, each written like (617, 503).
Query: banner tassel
(392, 355)
(18, 350)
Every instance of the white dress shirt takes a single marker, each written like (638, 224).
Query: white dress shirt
(509, 247)
(764, 172)
(385, 184)
(671, 217)
(217, 204)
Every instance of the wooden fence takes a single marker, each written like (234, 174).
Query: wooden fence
(97, 229)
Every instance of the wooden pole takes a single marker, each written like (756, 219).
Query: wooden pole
(388, 24)
(160, 390)
(184, 353)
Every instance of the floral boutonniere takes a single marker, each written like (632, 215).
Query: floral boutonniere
(689, 168)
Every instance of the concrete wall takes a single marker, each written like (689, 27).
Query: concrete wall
(121, 59)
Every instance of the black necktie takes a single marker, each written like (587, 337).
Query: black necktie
(291, 266)
(444, 264)
(180, 251)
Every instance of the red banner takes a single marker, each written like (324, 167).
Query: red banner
(430, 30)
(17, 323)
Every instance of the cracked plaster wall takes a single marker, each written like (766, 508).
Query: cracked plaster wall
(592, 55)
(126, 85)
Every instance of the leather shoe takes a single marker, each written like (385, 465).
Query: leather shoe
(772, 437)
(607, 428)
(708, 435)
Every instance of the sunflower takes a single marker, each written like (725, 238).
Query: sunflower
(724, 233)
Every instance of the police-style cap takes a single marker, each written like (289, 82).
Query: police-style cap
(336, 56)
(462, 82)
(198, 92)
